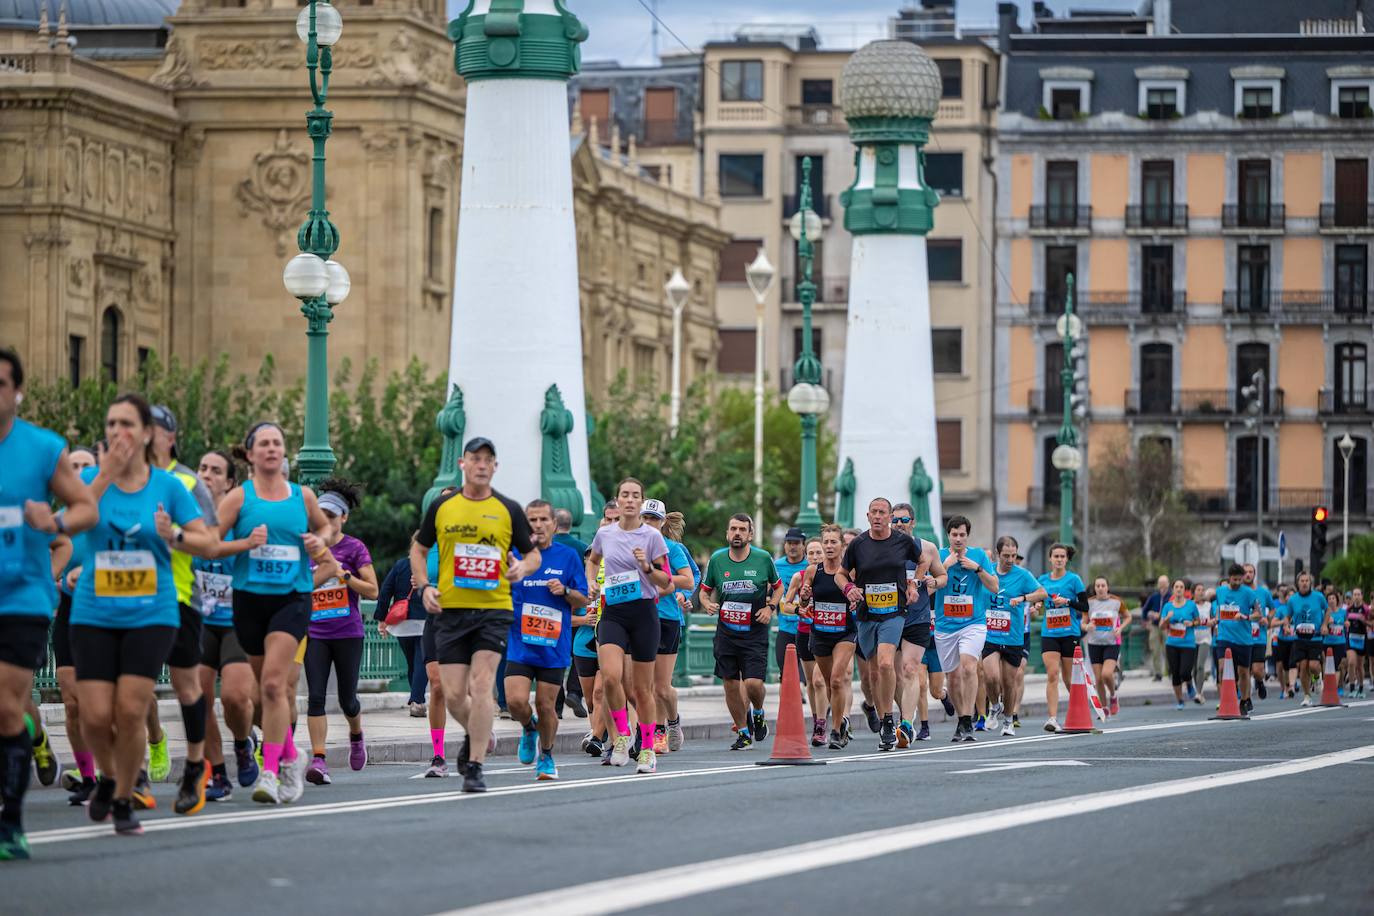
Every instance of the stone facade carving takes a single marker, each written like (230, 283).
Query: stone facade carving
(280, 54)
(176, 71)
(278, 189)
(11, 163)
(78, 272)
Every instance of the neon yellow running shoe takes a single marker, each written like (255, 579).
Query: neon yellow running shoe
(45, 761)
(159, 761)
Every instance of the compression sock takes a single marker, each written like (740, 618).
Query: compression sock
(16, 758)
(646, 735)
(219, 771)
(193, 720)
(288, 748)
(436, 740)
(271, 757)
(85, 763)
(621, 718)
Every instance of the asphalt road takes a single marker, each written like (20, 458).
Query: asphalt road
(1162, 812)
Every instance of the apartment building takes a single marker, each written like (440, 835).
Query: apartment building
(1203, 172)
(769, 99)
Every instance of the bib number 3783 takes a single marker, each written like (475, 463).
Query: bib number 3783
(622, 587)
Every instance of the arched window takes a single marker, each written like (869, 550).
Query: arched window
(110, 327)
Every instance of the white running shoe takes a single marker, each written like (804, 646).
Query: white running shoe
(676, 736)
(620, 752)
(266, 790)
(648, 762)
(994, 717)
(1051, 724)
(1306, 701)
(1007, 730)
(292, 776)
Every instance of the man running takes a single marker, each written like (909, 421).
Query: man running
(1259, 630)
(1307, 616)
(928, 576)
(1236, 606)
(540, 643)
(741, 586)
(1003, 654)
(476, 530)
(961, 619)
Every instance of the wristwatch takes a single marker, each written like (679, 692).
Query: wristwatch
(346, 576)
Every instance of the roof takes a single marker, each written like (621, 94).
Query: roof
(88, 13)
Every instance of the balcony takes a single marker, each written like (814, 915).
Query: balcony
(1297, 305)
(1038, 502)
(1045, 401)
(664, 132)
(1114, 306)
(821, 203)
(830, 290)
(1156, 218)
(1194, 403)
(816, 117)
(1278, 501)
(1250, 217)
(1332, 403)
(1061, 218)
(1342, 217)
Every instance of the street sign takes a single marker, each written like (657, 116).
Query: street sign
(1283, 546)
(1247, 551)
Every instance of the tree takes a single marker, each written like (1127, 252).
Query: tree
(1139, 510)
(1355, 567)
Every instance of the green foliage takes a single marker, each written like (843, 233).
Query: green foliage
(1139, 512)
(707, 472)
(1355, 568)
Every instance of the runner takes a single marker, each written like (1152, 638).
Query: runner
(818, 694)
(1202, 633)
(1307, 616)
(80, 782)
(672, 606)
(1356, 616)
(833, 629)
(34, 468)
(1333, 637)
(1003, 654)
(1236, 606)
(793, 561)
(629, 624)
(1180, 620)
(273, 528)
(1066, 601)
(436, 709)
(1107, 620)
(961, 618)
(336, 631)
(539, 646)
(741, 585)
(1259, 631)
(1281, 649)
(928, 576)
(220, 653)
(476, 529)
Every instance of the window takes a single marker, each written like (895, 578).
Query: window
(1350, 100)
(1250, 359)
(945, 260)
(1252, 281)
(1359, 476)
(1257, 100)
(1351, 377)
(945, 173)
(76, 346)
(1352, 192)
(947, 350)
(1156, 378)
(435, 247)
(1054, 378)
(1352, 272)
(1157, 192)
(1065, 101)
(951, 78)
(1156, 279)
(741, 175)
(1049, 477)
(595, 103)
(1061, 193)
(1252, 192)
(818, 92)
(741, 81)
(109, 344)
(736, 354)
(949, 444)
(660, 115)
(1249, 474)
(1060, 261)
(644, 361)
(1161, 101)
(735, 257)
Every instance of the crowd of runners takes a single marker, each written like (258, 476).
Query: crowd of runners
(123, 560)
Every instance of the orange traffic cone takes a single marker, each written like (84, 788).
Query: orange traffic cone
(1230, 704)
(791, 743)
(1329, 695)
(1079, 721)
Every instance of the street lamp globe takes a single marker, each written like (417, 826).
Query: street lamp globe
(328, 24)
(677, 289)
(806, 399)
(306, 276)
(1066, 458)
(1346, 445)
(339, 283)
(759, 273)
(1070, 326)
(813, 225)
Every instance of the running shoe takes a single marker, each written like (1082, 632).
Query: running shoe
(648, 762)
(267, 791)
(846, 732)
(818, 731)
(529, 743)
(1197, 700)
(887, 734)
(924, 733)
(835, 742)
(45, 761)
(577, 705)
(742, 741)
(472, 778)
(968, 736)
(1263, 690)
(544, 768)
(1015, 720)
(620, 750)
(13, 844)
(1306, 701)
(191, 792)
(759, 725)
(143, 792)
(418, 710)
(1192, 692)
(1007, 730)
(945, 702)
(101, 799)
(357, 752)
(1116, 705)
(159, 762)
(676, 736)
(660, 739)
(592, 746)
(994, 716)
(125, 821)
(317, 774)
(958, 734)
(980, 723)
(220, 788)
(1179, 705)
(82, 793)
(247, 763)
(905, 734)
(71, 779)
(292, 779)
(871, 716)
(1051, 724)
(438, 769)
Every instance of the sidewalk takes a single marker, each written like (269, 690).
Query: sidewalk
(394, 736)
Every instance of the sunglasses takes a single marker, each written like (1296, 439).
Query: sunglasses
(902, 519)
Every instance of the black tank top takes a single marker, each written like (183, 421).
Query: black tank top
(823, 587)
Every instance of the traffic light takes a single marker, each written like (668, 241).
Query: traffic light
(1318, 551)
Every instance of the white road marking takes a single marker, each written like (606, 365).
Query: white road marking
(1020, 765)
(683, 881)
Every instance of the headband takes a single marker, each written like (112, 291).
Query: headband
(333, 502)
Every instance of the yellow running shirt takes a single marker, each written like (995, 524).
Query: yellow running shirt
(475, 537)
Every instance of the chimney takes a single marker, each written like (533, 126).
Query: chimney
(1007, 25)
(1163, 17)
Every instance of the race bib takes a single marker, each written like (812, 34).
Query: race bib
(540, 626)
(881, 597)
(273, 564)
(998, 621)
(476, 566)
(737, 615)
(1306, 629)
(831, 616)
(216, 592)
(1058, 618)
(1357, 641)
(1337, 629)
(1254, 629)
(125, 574)
(1104, 620)
(1229, 612)
(623, 587)
(1178, 631)
(329, 602)
(11, 541)
(960, 607)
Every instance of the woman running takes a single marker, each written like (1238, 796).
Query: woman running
(273, 528)
(588, 669)
(671, 604)
(1107, 617)
(336, 631)
(1067, 601)
(834, 631)
(816, 687)
(629, 624)
(82, 783)
(1179, 620)
(220, 653)
(125, 614)
(1356, 627)
(1333, 637)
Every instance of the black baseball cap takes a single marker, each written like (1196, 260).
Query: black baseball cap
(794, 534)
(477, 443)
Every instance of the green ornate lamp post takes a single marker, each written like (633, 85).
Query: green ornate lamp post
(808, 398)
(312, 276)
(1066, 457)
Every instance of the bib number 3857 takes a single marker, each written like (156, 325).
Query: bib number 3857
(273, 564)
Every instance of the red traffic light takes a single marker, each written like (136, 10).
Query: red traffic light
(1319, 514)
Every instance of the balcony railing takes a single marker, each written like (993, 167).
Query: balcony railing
(1045, 401)
(1151, 402)
(819, 202)
(1252, 216)
(1157, 216)
(1295, 303)
(1284, 501)
(1194, 402)
(1358, 403)
(1112, 304)
(829, 289)
(1061, 216)
(819, 116)
(1342, 215)
(664, 132)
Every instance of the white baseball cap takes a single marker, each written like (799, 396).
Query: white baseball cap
(654, 508)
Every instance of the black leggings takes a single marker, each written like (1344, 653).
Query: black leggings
(346, 655)
(1181, 660)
